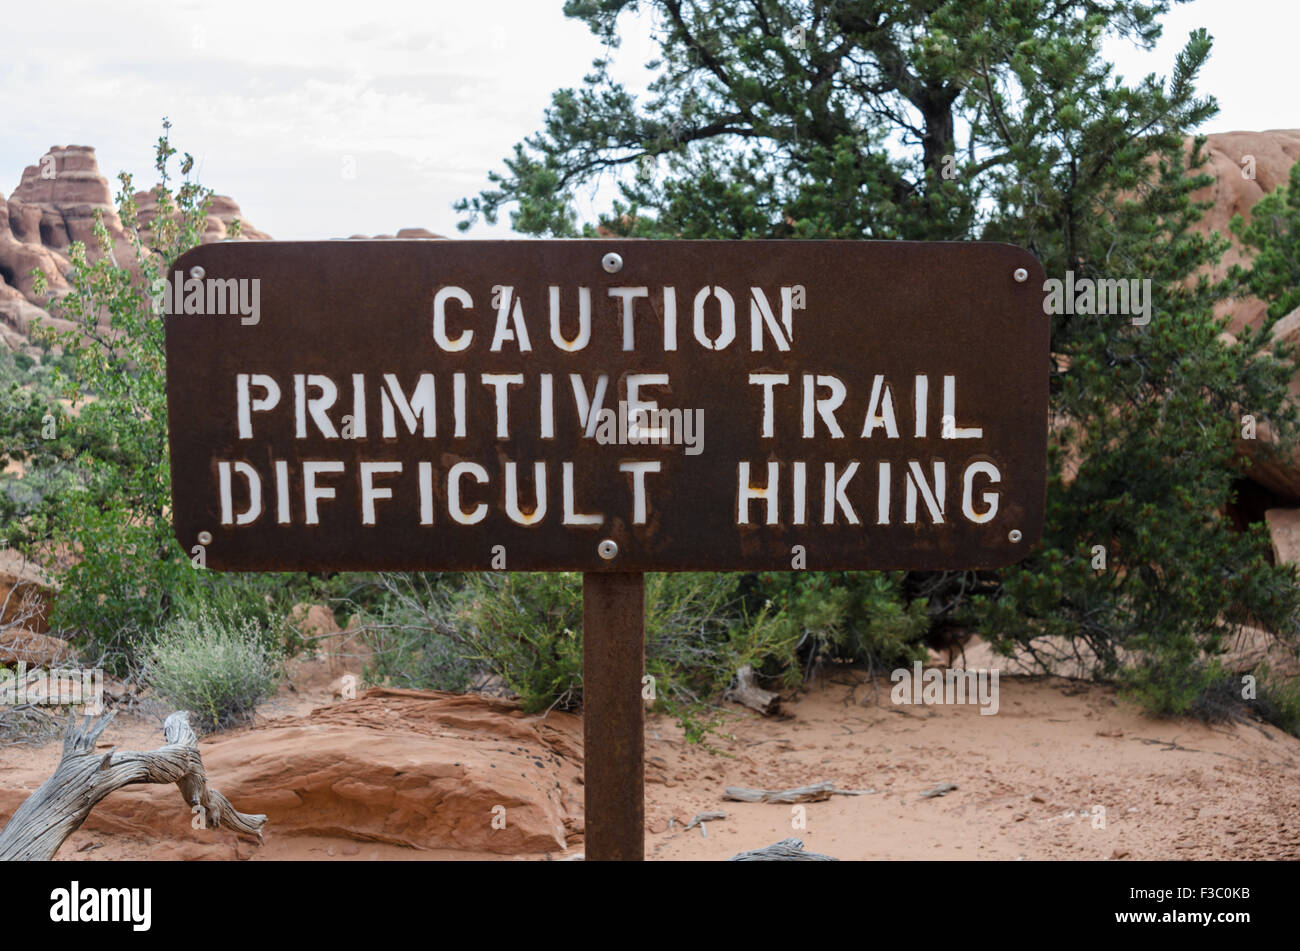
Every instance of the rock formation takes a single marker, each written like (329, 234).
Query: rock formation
(426, 770)
(402, 234)
(53, 206)
(55, 202)
(1246, 166)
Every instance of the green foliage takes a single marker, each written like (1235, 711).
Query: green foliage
(771, 119)
(129, 568)
(412, 640)
(415, 657)
(861, 617)
(217, 665)
(440, 631)
(980, 120)
(527, 629)
(1274, 236)
(1279, 698)
(29, 411)
(265, 600)
(1147, 418)
(694, 641)
(97, 483)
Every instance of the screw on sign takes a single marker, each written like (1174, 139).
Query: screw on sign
(610, 407)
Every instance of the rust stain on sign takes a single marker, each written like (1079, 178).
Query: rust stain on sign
(605, 405)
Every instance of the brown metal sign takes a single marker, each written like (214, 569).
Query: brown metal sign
(607, 405)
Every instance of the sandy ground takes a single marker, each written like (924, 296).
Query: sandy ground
(1029, 780)
(1032, 782)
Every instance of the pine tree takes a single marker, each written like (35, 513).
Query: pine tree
(975, 120)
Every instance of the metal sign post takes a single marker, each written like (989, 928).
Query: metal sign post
(613, 715)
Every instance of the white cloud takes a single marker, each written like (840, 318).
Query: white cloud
(425, 96)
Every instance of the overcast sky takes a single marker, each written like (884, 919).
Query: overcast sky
(422, 98)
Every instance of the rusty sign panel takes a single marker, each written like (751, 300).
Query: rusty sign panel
(607, 405)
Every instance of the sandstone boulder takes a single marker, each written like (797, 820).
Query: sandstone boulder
(425, 770)
(17, 259)
(1252, 646)
(16, 313)
(313, 621)
(402, 233)
(1246, 166)
(36, 650)
(25, 599)
(222, 211)
(1277, 471)
(67, 189)
(343, 650)
(1284, 533)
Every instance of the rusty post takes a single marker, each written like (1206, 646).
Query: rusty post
(613, 715)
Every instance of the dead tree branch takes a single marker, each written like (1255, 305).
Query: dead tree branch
(84, 777)
(787, 850)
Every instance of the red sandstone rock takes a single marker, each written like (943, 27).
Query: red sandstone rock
(1271, 155)
(222, 210)
(65, 189)
(410, 768)
(1284, 532)
(36, 650)
(1276, 471)
(55, 205)
(25, 599)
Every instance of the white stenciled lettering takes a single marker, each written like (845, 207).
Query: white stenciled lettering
(461, 296)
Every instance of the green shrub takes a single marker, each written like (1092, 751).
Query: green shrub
(526, 628)
(1165, 684)
(217, 665)
(130, 569)
(406, 634)
(1278, 698)
(267, 599)
(1273, 234)
(858, 616)
(438, 631)
(695, 637)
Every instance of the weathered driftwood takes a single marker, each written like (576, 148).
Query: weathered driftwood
(940, 790)
(787, 850)
(814, 793)
(84, 777)
(748, 693)
(703, 817)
